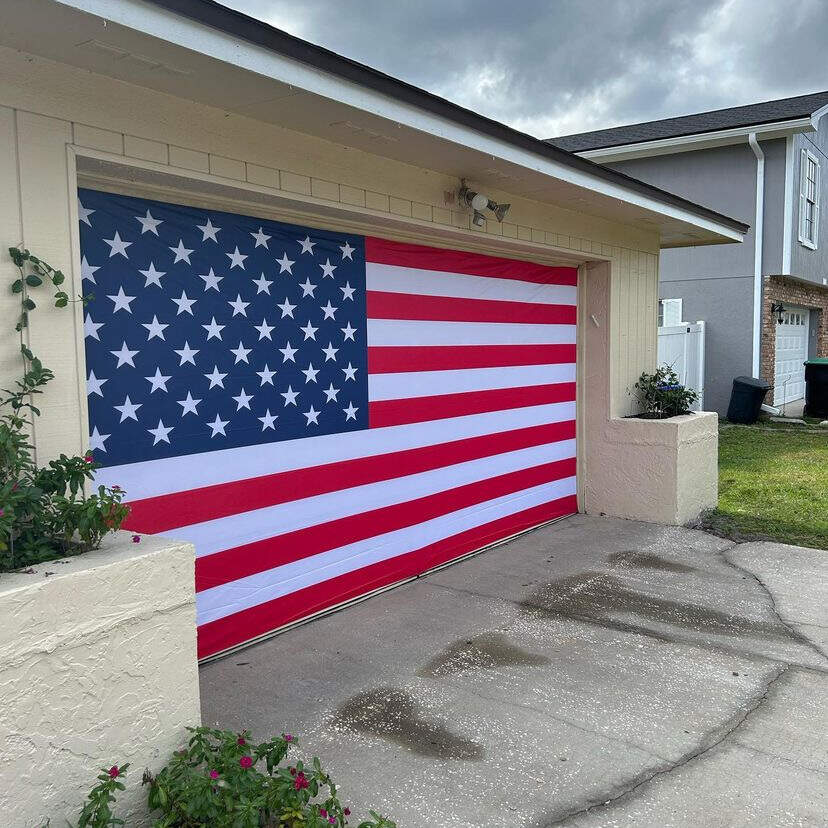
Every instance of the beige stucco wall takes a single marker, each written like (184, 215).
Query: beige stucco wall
(97, 667)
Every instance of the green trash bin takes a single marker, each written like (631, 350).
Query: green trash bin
(816, 388)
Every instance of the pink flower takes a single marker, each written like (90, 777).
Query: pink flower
(114, 772)
(292, 771)
(323, 812)
(89, 459)
(245, 761)
(116, 488)
(332, 820)
(288, 737)
(300, 782)
(214, 774)
(242, 741)
(347, 812)
(2, 512)
(136, 539)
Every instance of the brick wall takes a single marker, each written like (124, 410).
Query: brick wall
(790, 292)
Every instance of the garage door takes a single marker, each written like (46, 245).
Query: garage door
(791, 353)
(321, 414)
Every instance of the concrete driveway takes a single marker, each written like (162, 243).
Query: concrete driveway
(596, 672)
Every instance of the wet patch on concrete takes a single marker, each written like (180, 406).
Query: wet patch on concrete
(648, 560)
(488, 650)
(393, 715)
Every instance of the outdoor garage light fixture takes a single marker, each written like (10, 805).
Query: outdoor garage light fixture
(778, 308)
(479, 202)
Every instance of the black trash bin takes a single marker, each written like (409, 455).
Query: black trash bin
(746, 399)
(816, 388)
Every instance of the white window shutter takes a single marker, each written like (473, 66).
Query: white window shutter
(803, 188)
(816, 207)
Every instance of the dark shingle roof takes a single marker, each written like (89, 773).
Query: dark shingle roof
(768, 112)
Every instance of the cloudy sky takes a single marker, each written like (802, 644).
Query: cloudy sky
(559, 66)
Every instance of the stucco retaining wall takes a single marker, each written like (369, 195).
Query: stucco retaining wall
(97, 667)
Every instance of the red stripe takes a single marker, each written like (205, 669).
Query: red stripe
(392, 359)
(383, 251)
(242, 561)
(250, 623)
(160, 514)
(384, 305)
(420, 409)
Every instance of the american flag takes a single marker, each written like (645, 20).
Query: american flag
(321, 414)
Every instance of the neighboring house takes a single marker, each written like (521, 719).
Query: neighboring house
(761, 163)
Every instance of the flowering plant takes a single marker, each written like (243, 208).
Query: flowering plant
(44, 511)
(97, 812)
(218, 780)
(661, 395)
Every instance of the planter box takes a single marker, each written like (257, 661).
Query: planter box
(661, 471)
(97, 667)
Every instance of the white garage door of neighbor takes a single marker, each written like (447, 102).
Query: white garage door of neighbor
(791, 353)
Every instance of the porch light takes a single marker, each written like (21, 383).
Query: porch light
(479, 202)
(778, 309)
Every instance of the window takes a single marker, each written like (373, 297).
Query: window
(669, 312)
(809, 200)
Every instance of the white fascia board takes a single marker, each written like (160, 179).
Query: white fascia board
(702, 140)
(170, 27)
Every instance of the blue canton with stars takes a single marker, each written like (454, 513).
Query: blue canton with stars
(210, 330)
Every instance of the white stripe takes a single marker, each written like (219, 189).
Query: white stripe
(429, 383)
(259, 524)
(153, 478)
(413, 332)
(396, 279)
(244, 593)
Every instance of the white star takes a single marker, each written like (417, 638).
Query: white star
(124, 356)
(307, 245)
(307, 288)
(349, 332)
(208, 231)
(218, 426)
(285, 264)
(330, 392)
(216, 378)
(268, 420)
(187, 354)
(309, 331)
(239, 306)
(128, 409)
(347, 292)
(211, 281)
(290, 396)
(328, 269)
(213, 329)
(287, 308)
(330, 352)
(189, 406)
(148, 223)
(88, 270)
(347, 250)
(185, 305)
(83, 215)
(182, 254)
(288, 352)
(262, 285)
(313, 416)
(236, 260)
(243, 400)
(240, 353)
(152, 275)
(121, 301)
(329, 310)
(158, 381)
(310, 373)
(116, 246)
(261, 238)
(264, 329)
(96, 439)
(350, 372)
(350, 412)
(266, 376)
(93, 384)
(90, 328)
(154, 328)
(161, 433)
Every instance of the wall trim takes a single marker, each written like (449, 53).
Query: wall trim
(787, 215)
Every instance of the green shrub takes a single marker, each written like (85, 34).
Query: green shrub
(661, 395)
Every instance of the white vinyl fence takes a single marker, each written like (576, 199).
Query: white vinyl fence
(682, 348)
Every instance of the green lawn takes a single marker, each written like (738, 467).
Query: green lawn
(773, 485)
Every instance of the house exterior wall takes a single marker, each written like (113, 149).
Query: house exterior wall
(807, 263)
(52, 113)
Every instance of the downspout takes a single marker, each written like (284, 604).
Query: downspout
(758, 231)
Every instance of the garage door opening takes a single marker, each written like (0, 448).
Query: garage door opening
(322, 414)
(791, 353)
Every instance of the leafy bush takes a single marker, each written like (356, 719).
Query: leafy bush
(661, 395)
(97, 812)
(44, 511)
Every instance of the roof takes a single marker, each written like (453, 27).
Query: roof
(261, 34)
(768, 112)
